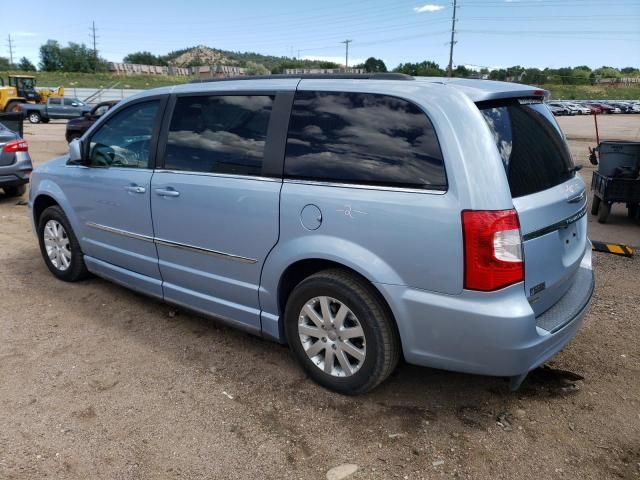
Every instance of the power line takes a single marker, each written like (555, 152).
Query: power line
(452, 43)
(346, 56)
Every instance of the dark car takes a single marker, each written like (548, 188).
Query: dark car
(15, 163)
(77, 126)
(603, 108)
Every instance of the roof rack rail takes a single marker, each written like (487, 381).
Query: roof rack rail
(315, 76)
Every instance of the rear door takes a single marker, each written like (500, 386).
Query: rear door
(55, 108)
(548, 194)
(215, 203)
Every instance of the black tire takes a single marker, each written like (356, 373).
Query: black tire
(603, 212)
(45, 120)
(12, 107)
(632, 211)
(77, 269)
(16, 191)
(34, 117)
(594, 205)
(381, 338)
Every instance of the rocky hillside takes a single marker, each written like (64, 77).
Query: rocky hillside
(199, 55)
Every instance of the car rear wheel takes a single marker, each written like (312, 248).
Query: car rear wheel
(16, 191)
(34, 117)
(341, 332)
(59, 246)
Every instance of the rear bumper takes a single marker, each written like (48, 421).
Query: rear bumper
(17, 173)
(493, 333)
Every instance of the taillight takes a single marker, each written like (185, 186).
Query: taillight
(16, 146)
(492, 249)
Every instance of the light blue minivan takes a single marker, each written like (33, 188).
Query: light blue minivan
(360, 219)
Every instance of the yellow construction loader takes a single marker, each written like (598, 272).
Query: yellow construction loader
(22, 89)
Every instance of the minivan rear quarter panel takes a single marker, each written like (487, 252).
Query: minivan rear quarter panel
(392, 237)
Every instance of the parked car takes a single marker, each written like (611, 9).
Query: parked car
(577, 109)
(622, 106)
(56, 107)
(360, 219)
(77, 126)
(15, 163)
(558, 111)
(604, 108)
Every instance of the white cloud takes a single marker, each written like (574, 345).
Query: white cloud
(429, 7)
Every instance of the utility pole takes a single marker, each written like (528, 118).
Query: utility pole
(346, 56)
(95, 50)
(453, 33)
(10, 50)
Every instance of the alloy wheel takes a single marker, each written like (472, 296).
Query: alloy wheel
(57, 246)
(332, 336)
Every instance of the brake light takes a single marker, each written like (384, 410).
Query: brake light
(492, 249)
(16, 146)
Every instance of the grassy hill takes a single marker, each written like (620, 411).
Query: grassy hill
(593, 92)
(100, 80)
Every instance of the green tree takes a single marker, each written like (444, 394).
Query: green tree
(51, 56)
(607, 72)
(461, 71)
(253, 68)
(4, 64)
(426, 68)
(373, 65)
(145, 58)
(25, 65)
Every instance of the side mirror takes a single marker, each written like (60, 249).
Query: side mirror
(76, 152)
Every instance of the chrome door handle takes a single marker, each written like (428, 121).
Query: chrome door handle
(135, 189)
(169, 192)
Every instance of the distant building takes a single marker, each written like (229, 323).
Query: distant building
(622, 81)
(321, 71)
(136, 69)
(217, 71)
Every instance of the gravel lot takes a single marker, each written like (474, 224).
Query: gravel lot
(99, 382)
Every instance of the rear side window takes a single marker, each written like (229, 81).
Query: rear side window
(219, 134)
(533, 151)
(55, 101)
(362, 138)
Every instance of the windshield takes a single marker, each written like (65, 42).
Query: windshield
(531, 145)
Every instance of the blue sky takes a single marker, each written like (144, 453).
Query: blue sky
(492, 33)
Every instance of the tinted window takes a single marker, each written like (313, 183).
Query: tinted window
(534, 154)
(219, 134)
(124, 139)
(362, 138)
(71, 101)
(55, 101)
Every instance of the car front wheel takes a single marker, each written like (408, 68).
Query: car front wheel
(59, 246)
(341, 332)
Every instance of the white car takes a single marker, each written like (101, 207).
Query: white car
(577, 109)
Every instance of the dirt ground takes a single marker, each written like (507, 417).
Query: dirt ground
(99, 382)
